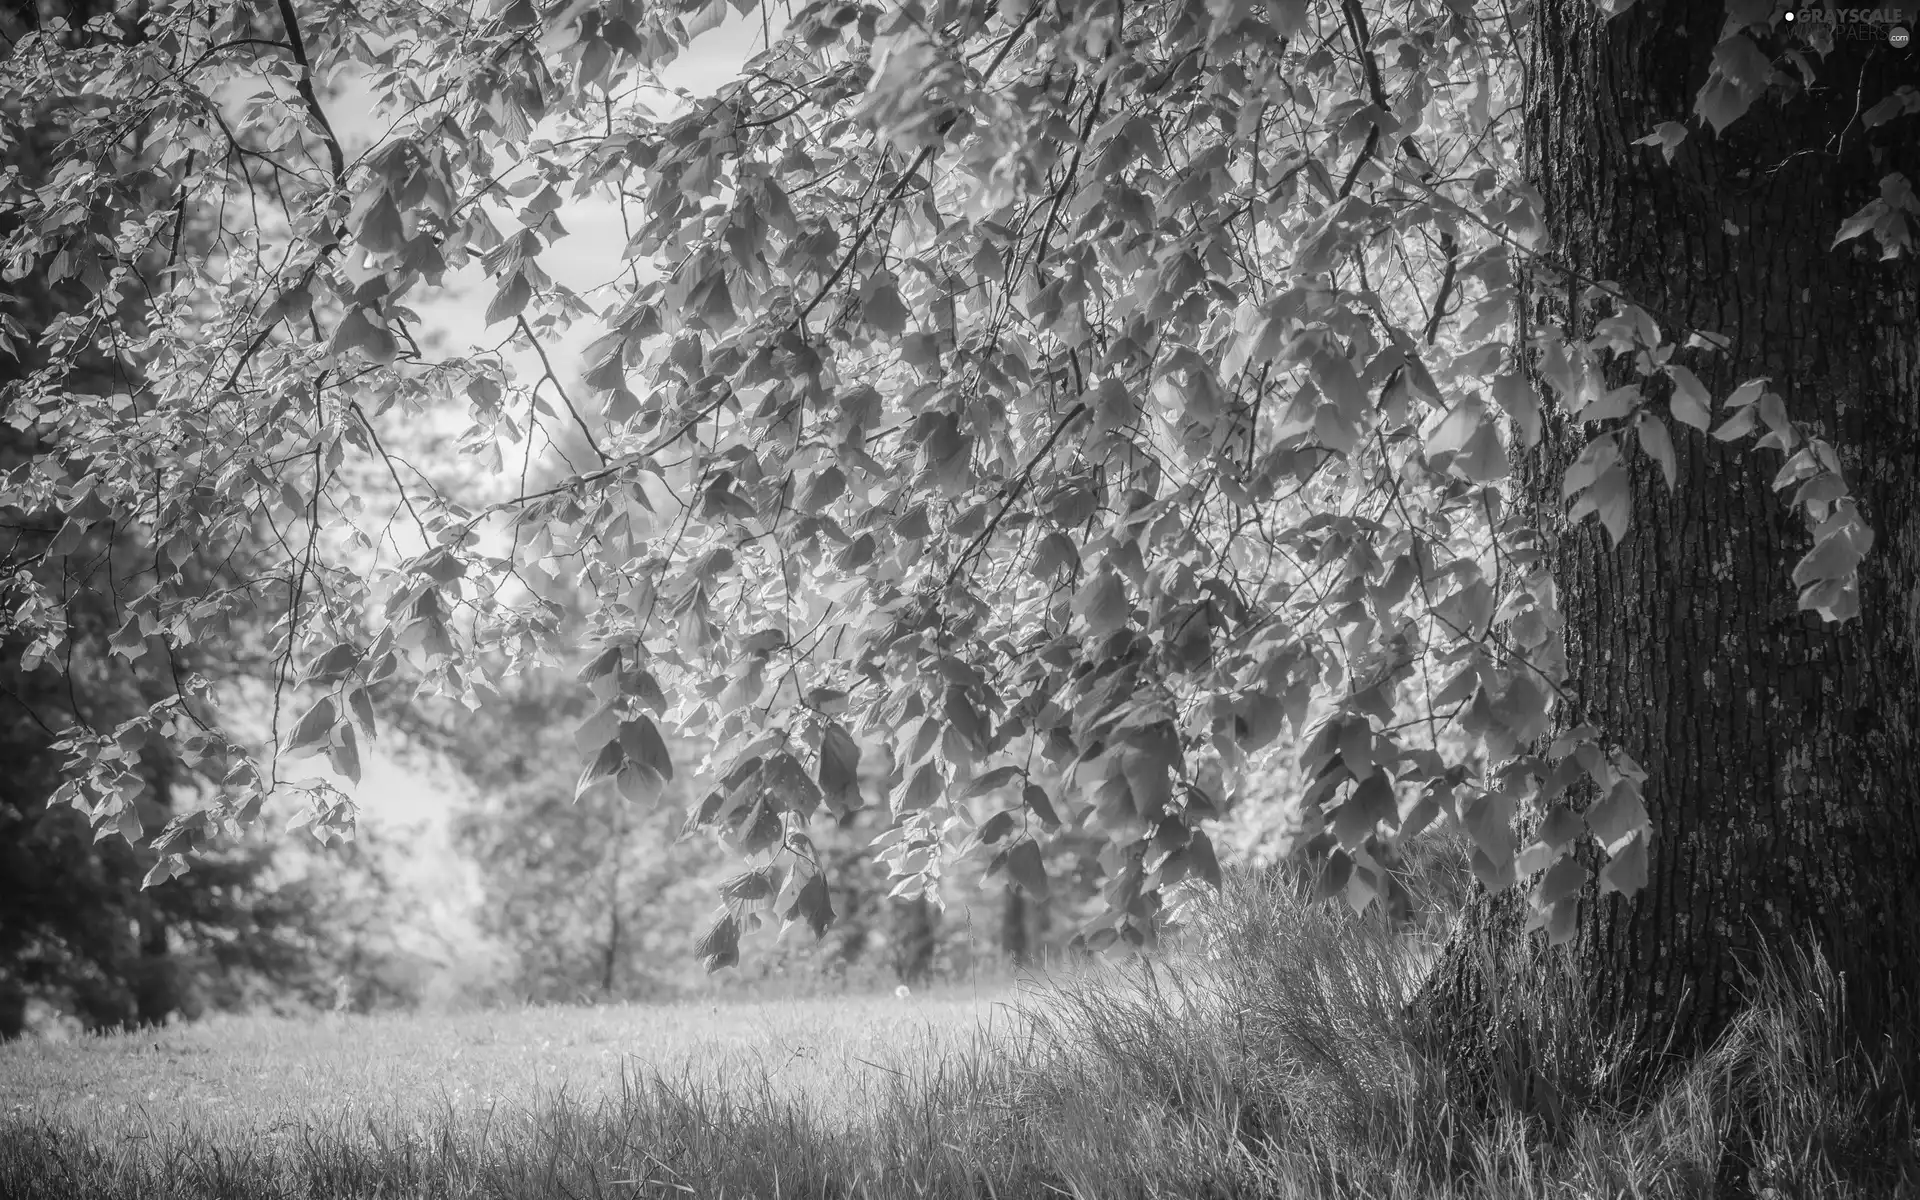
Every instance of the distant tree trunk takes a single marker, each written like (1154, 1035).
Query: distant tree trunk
(1014, 940)
(154, 974)
(610, 960)
(13, 1009)
(916, 925)
(155, 995)
(1782, 753)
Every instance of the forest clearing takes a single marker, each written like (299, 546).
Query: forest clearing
(575, 575)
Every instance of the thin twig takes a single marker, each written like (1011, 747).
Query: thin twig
(1019, 486)
(866, 231)
(388, 459)
(547, 366)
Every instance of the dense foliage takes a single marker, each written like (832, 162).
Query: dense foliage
(1099, 393)
(80, 939)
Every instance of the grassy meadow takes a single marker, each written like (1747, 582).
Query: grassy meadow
(1271, 1056)
(251, 1075)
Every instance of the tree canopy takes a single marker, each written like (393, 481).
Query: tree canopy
(1078, 401)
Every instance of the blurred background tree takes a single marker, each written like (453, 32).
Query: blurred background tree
(78, 934)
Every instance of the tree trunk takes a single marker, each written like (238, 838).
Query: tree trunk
(610, 959)
(916, 932)
(1015, 943)
(154, 973)
(1782, 757)
(13, 1009)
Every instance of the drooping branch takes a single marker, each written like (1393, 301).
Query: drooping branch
(305, 87)
(546, 366)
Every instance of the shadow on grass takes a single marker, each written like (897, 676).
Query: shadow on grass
(1271, 1058)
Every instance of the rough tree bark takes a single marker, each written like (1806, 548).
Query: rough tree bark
(1783, 754)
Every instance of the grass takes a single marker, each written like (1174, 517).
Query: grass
(242, 1074)
(1275, 1060)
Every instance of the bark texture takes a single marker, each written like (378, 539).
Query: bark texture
(1783, 753)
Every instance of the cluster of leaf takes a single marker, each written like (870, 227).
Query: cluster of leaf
(1094, 392)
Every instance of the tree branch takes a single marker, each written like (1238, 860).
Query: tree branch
(1452, 252)
(866, 231)
(388, 459)
(547, 366)
(305, 85)
(1019, 486)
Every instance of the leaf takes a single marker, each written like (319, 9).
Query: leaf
(1333, 876)
(1035, 798)
(1613, 404)
(311, 734)
(1202, 860)
(1489, 820)
(127, 824)
(1102, 604)
(601, 665)
(511, 300)
(824, 490)
(720, 945)
(995, 827)
(706, 18)
(813, 903)
(1565, 878)
(1055, 551)
(1860, 222)
(1521, 402)
(1720, 102)
(639, 784)
(788, 784)
(1483, 459)
(169, 866)
(380, 228)
(344, 753)
(1600, 455)
(1691, 402)
(1027, 869)
(1905, 99)
(1468, 611)
(333, 665)
(1617, 815)
(1612, 498)
(1534, 857)
(1740, 72)
(1560, 922)
(1626, 870)
(641, 741)
(1737, 426)
(1450, 436)
(598, 729)
(750, 887)
(1667, 135)
(920, 790)
(1835, 556)
(356, 331)
(605, 765)
(1658, 444)
(881, 307)
(839, 769)
(914, 523)
(997, 778)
